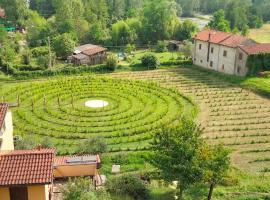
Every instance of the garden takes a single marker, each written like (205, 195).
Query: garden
(134, 111)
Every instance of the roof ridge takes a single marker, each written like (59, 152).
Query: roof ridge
(226, 38)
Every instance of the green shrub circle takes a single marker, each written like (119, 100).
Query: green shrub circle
(56, 109)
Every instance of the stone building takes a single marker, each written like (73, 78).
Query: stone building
(225, 52)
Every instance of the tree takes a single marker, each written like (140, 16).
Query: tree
(189, 6)
(43, 7)
(63, 45)
(177, 154)
(159, 20)
(122, 34)
(16, 10)
(7, 52)
(94, 145)
(237, 13)
(82, 189)
(217, 166)
(38, 29)
(219, 22)
(185, 30)
(98, 33)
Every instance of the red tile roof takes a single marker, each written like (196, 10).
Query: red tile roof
(222, 38)
(235, 40)
(94, 50)
(3, 111)
(212, 36)
(256, 48)
(25, 167)
(90, 49)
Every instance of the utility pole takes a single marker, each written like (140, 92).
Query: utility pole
(50, 53)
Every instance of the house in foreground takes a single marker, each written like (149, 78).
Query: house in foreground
(88, 54)
(34, 174)
(26, 174)
(225, 52)
(6, 128)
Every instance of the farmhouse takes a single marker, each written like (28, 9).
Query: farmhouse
(225, 52)
(6, 128)
(88, 54)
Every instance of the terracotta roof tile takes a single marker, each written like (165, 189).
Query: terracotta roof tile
(222, 38)
(3, 111)
(94, 50)
(256, 48)
(234, 41)
(23, 167)
(90, 49)
(214, 36)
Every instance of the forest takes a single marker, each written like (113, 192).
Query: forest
(120, 22)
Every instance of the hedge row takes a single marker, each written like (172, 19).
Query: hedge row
(70, 69)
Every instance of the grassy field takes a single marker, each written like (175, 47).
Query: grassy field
(262, 34)
(230, 115)
(142, 101)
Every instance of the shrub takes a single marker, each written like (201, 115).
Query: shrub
(150, 61)
(111, 63)
(128, 185)
(161, 47)
(46, 142)
(80, 188)
(26, 143)
(40, 51)
(95, 145)
(130, 48)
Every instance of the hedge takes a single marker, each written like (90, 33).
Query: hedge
(70, 69)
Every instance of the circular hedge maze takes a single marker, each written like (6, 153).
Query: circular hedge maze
(56, 109)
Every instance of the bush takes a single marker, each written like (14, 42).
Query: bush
(150, 61)
(128, 185)
(161, 47)
(80, 189)
(26, 143)
(111, 63)
(95, 145)
(40, 51)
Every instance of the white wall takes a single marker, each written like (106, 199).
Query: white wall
(200, 55)
(214, 57)
(228, 61)
(7, 133)
(241, 64)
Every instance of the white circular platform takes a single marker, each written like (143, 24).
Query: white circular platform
(96, 104)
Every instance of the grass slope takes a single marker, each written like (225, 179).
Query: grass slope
(262, 34)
